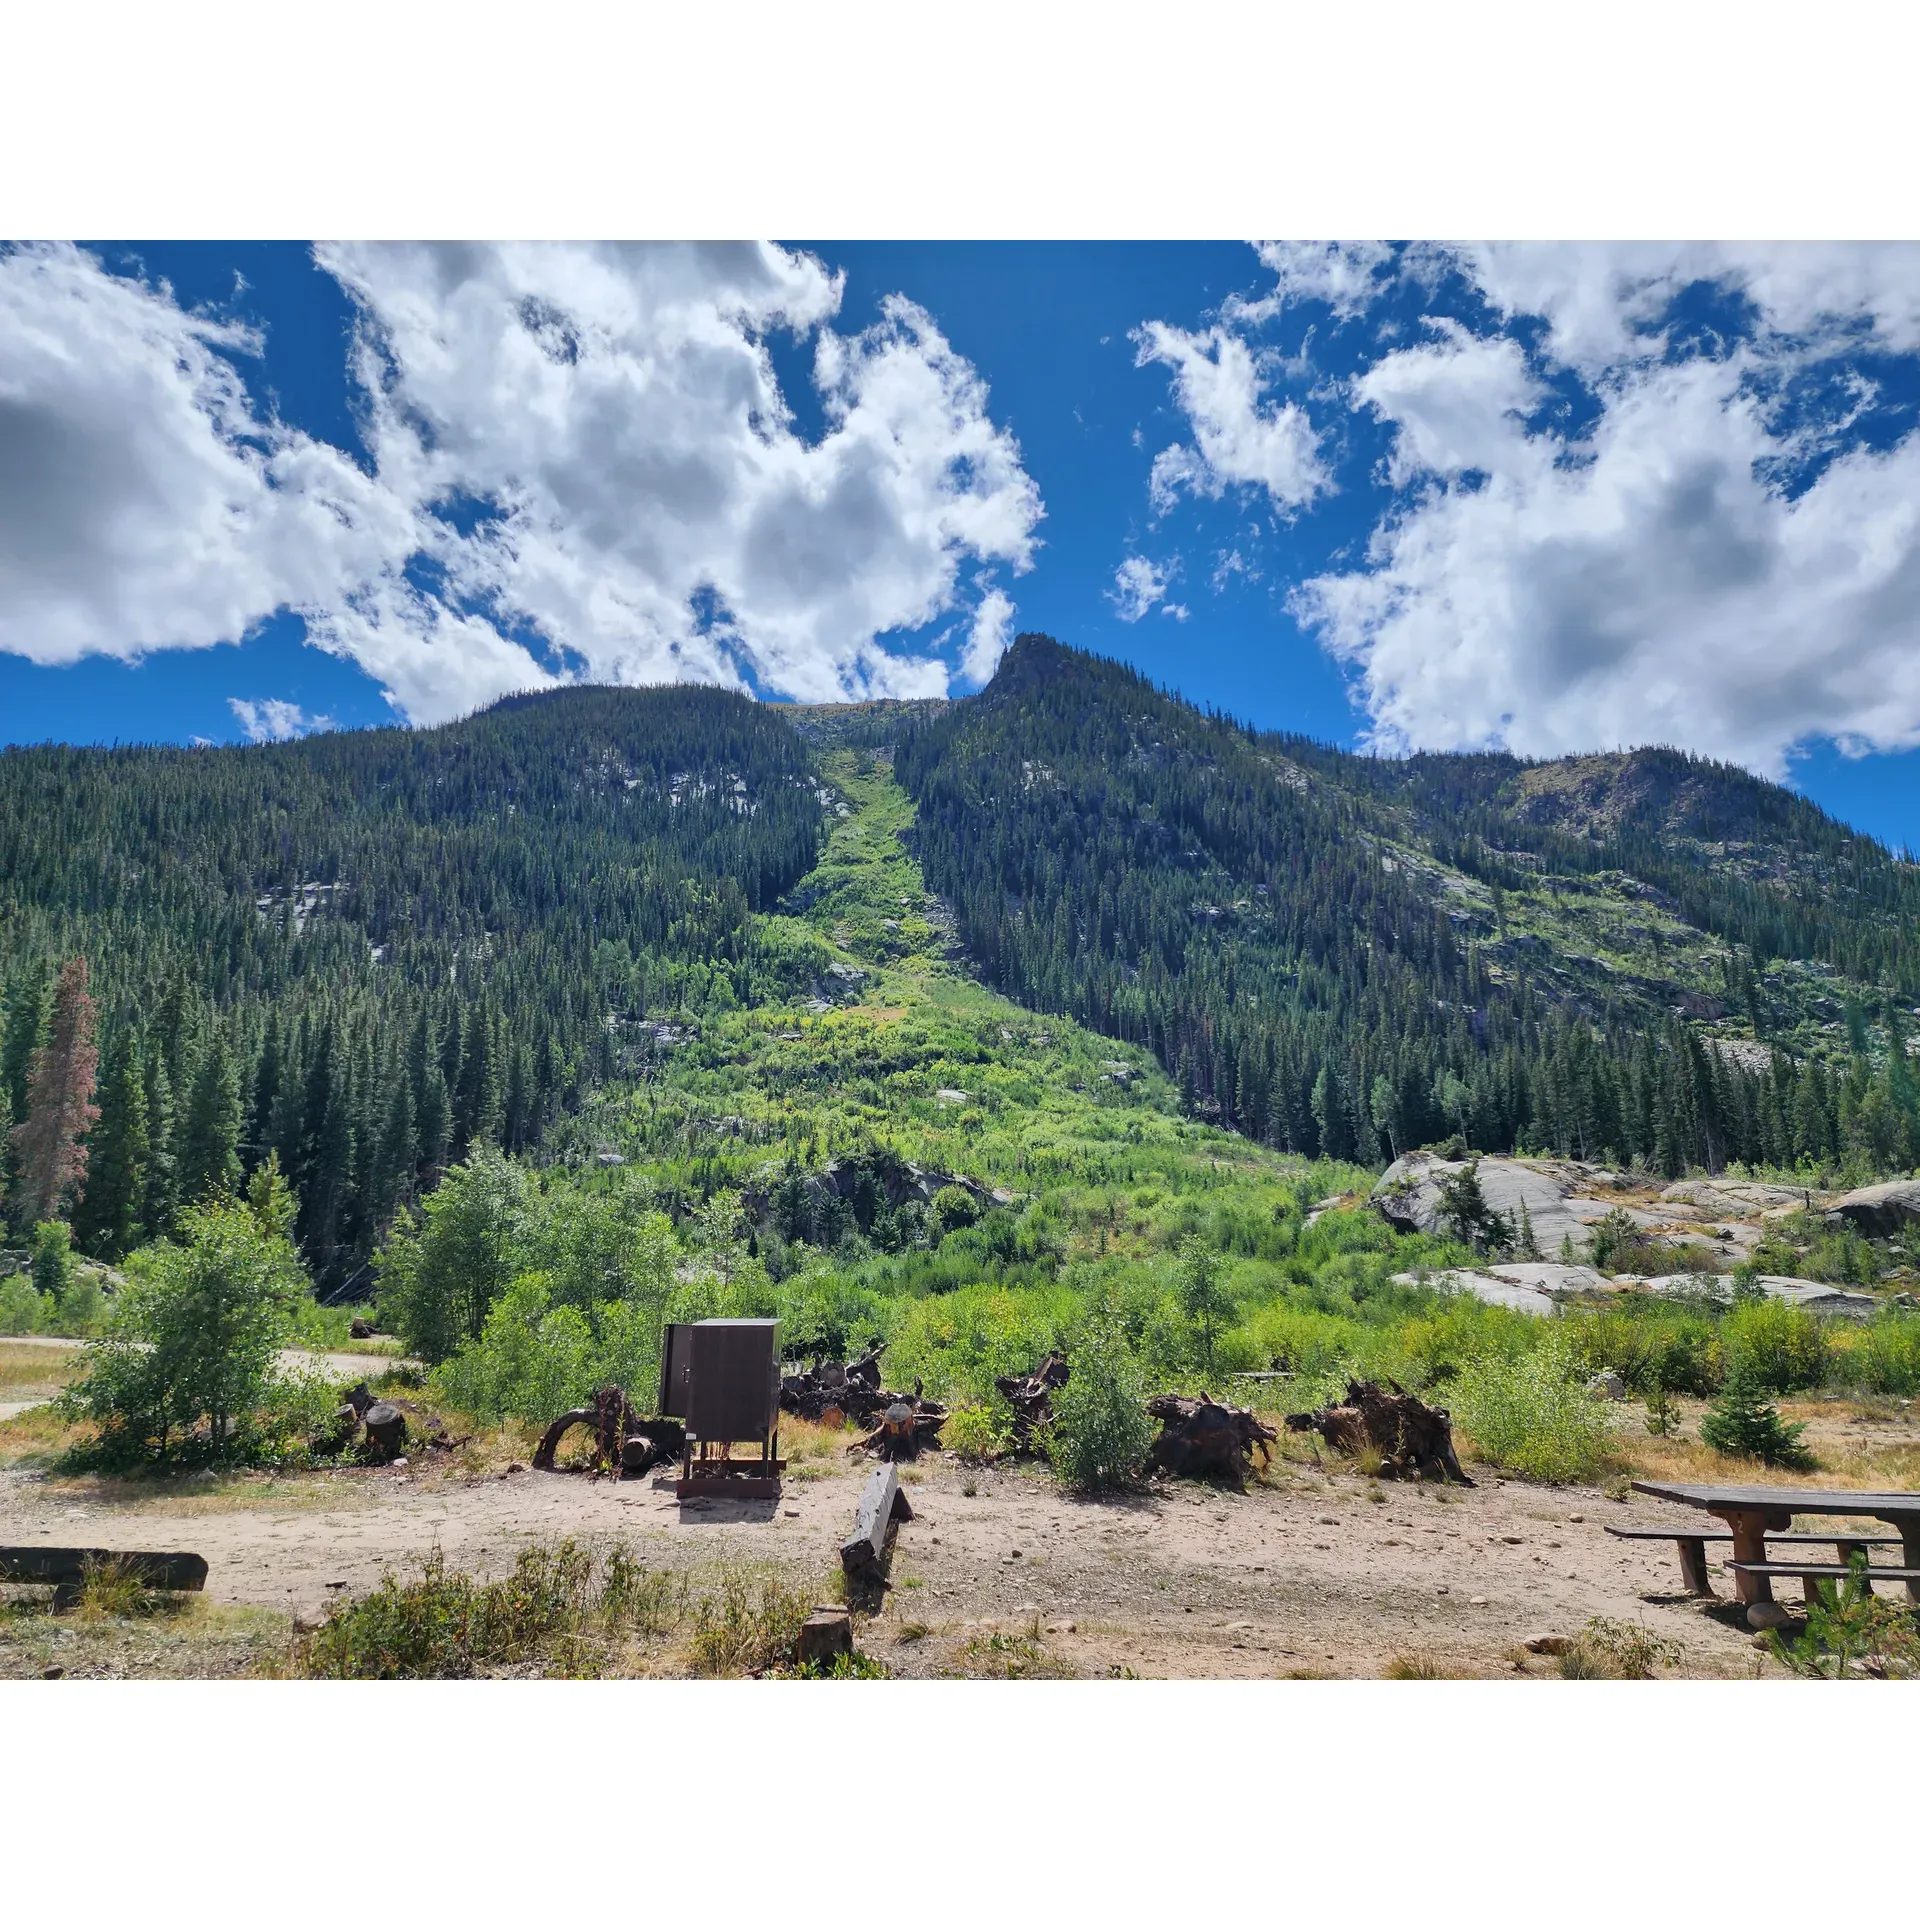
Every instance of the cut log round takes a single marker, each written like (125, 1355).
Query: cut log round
(825, 1635)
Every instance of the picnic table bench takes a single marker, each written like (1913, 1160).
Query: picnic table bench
(1758, 1516)
(1693, 1543)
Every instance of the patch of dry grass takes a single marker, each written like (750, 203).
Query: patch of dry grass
(37, 1438)
(202, 1491)
(1419, 1666)
(1848, 1453)
(185, 1636)
(30, 1372)
(1011, 1656)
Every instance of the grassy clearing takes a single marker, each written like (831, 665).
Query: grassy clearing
(32, 1372)
(178, 1636)
(36, 1438)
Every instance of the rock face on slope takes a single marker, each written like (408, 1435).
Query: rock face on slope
(1881, 1210)
(1409, 1194)
(1538, 1287)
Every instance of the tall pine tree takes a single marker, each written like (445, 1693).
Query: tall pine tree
(108, 1214)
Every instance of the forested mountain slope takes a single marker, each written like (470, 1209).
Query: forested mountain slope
(367, 952)
(1632, 954)
(392, 943)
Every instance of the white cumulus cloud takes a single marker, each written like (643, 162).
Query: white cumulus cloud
(1138, 587)
(584, 467)
(1631, 493)
(262, 720)
(1242, 435)
(144, 505)
(987, 638)
(1649, 578)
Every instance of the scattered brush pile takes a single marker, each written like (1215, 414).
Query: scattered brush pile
(835, 1394)
(1414, 1441)
(899, 1426)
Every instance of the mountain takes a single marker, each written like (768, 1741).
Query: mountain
(393, 945)
(1630, 954)
(444, 934)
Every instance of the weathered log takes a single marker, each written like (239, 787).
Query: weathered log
(65, 1568)
(882, 1505)
(1031, 1397)
(1413, 1440)
(1201, 1439)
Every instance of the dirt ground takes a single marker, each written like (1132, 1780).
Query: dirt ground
(1313, 1572)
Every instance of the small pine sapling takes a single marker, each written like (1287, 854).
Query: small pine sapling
(1744, 1424)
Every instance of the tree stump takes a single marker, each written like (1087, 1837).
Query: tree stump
(825, 1635)
(1414, 1440)
(383, 1431)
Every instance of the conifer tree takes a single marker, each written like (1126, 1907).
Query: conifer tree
(261, 1109)
(24, 1034)
(160, 1192)
(108, 1213)
(50, 1159)
(209, 1150)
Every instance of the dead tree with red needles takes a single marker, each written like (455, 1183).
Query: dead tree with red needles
(52, 1162)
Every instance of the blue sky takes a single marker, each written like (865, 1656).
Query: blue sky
(1548, 498)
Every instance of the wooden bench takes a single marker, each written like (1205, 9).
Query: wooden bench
(64, 1569)
(1693, 1543)
(1811, 1574)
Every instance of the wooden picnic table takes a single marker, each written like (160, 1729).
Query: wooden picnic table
(1753, 1512)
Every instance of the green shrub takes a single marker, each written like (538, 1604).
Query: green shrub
(974, 1432)
(744, 1630)
(1883, 1356)
(1851, 1633)
(23, 1307)
(1781, 1348)
(959, 1343)
(83, 1307)
(532, 1361)
(1653, 1344)
(190, 1352)
(447, 1626)
(1742, 1424)
(1528, 1414)
(1099, 1434)
(954, 1208)
(1203, 1299)
(439, 1277)
(1616, 1650)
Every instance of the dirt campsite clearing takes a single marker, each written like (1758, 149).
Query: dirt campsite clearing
(1315, 1571)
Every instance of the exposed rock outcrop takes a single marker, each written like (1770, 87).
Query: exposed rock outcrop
(1881, 1210)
